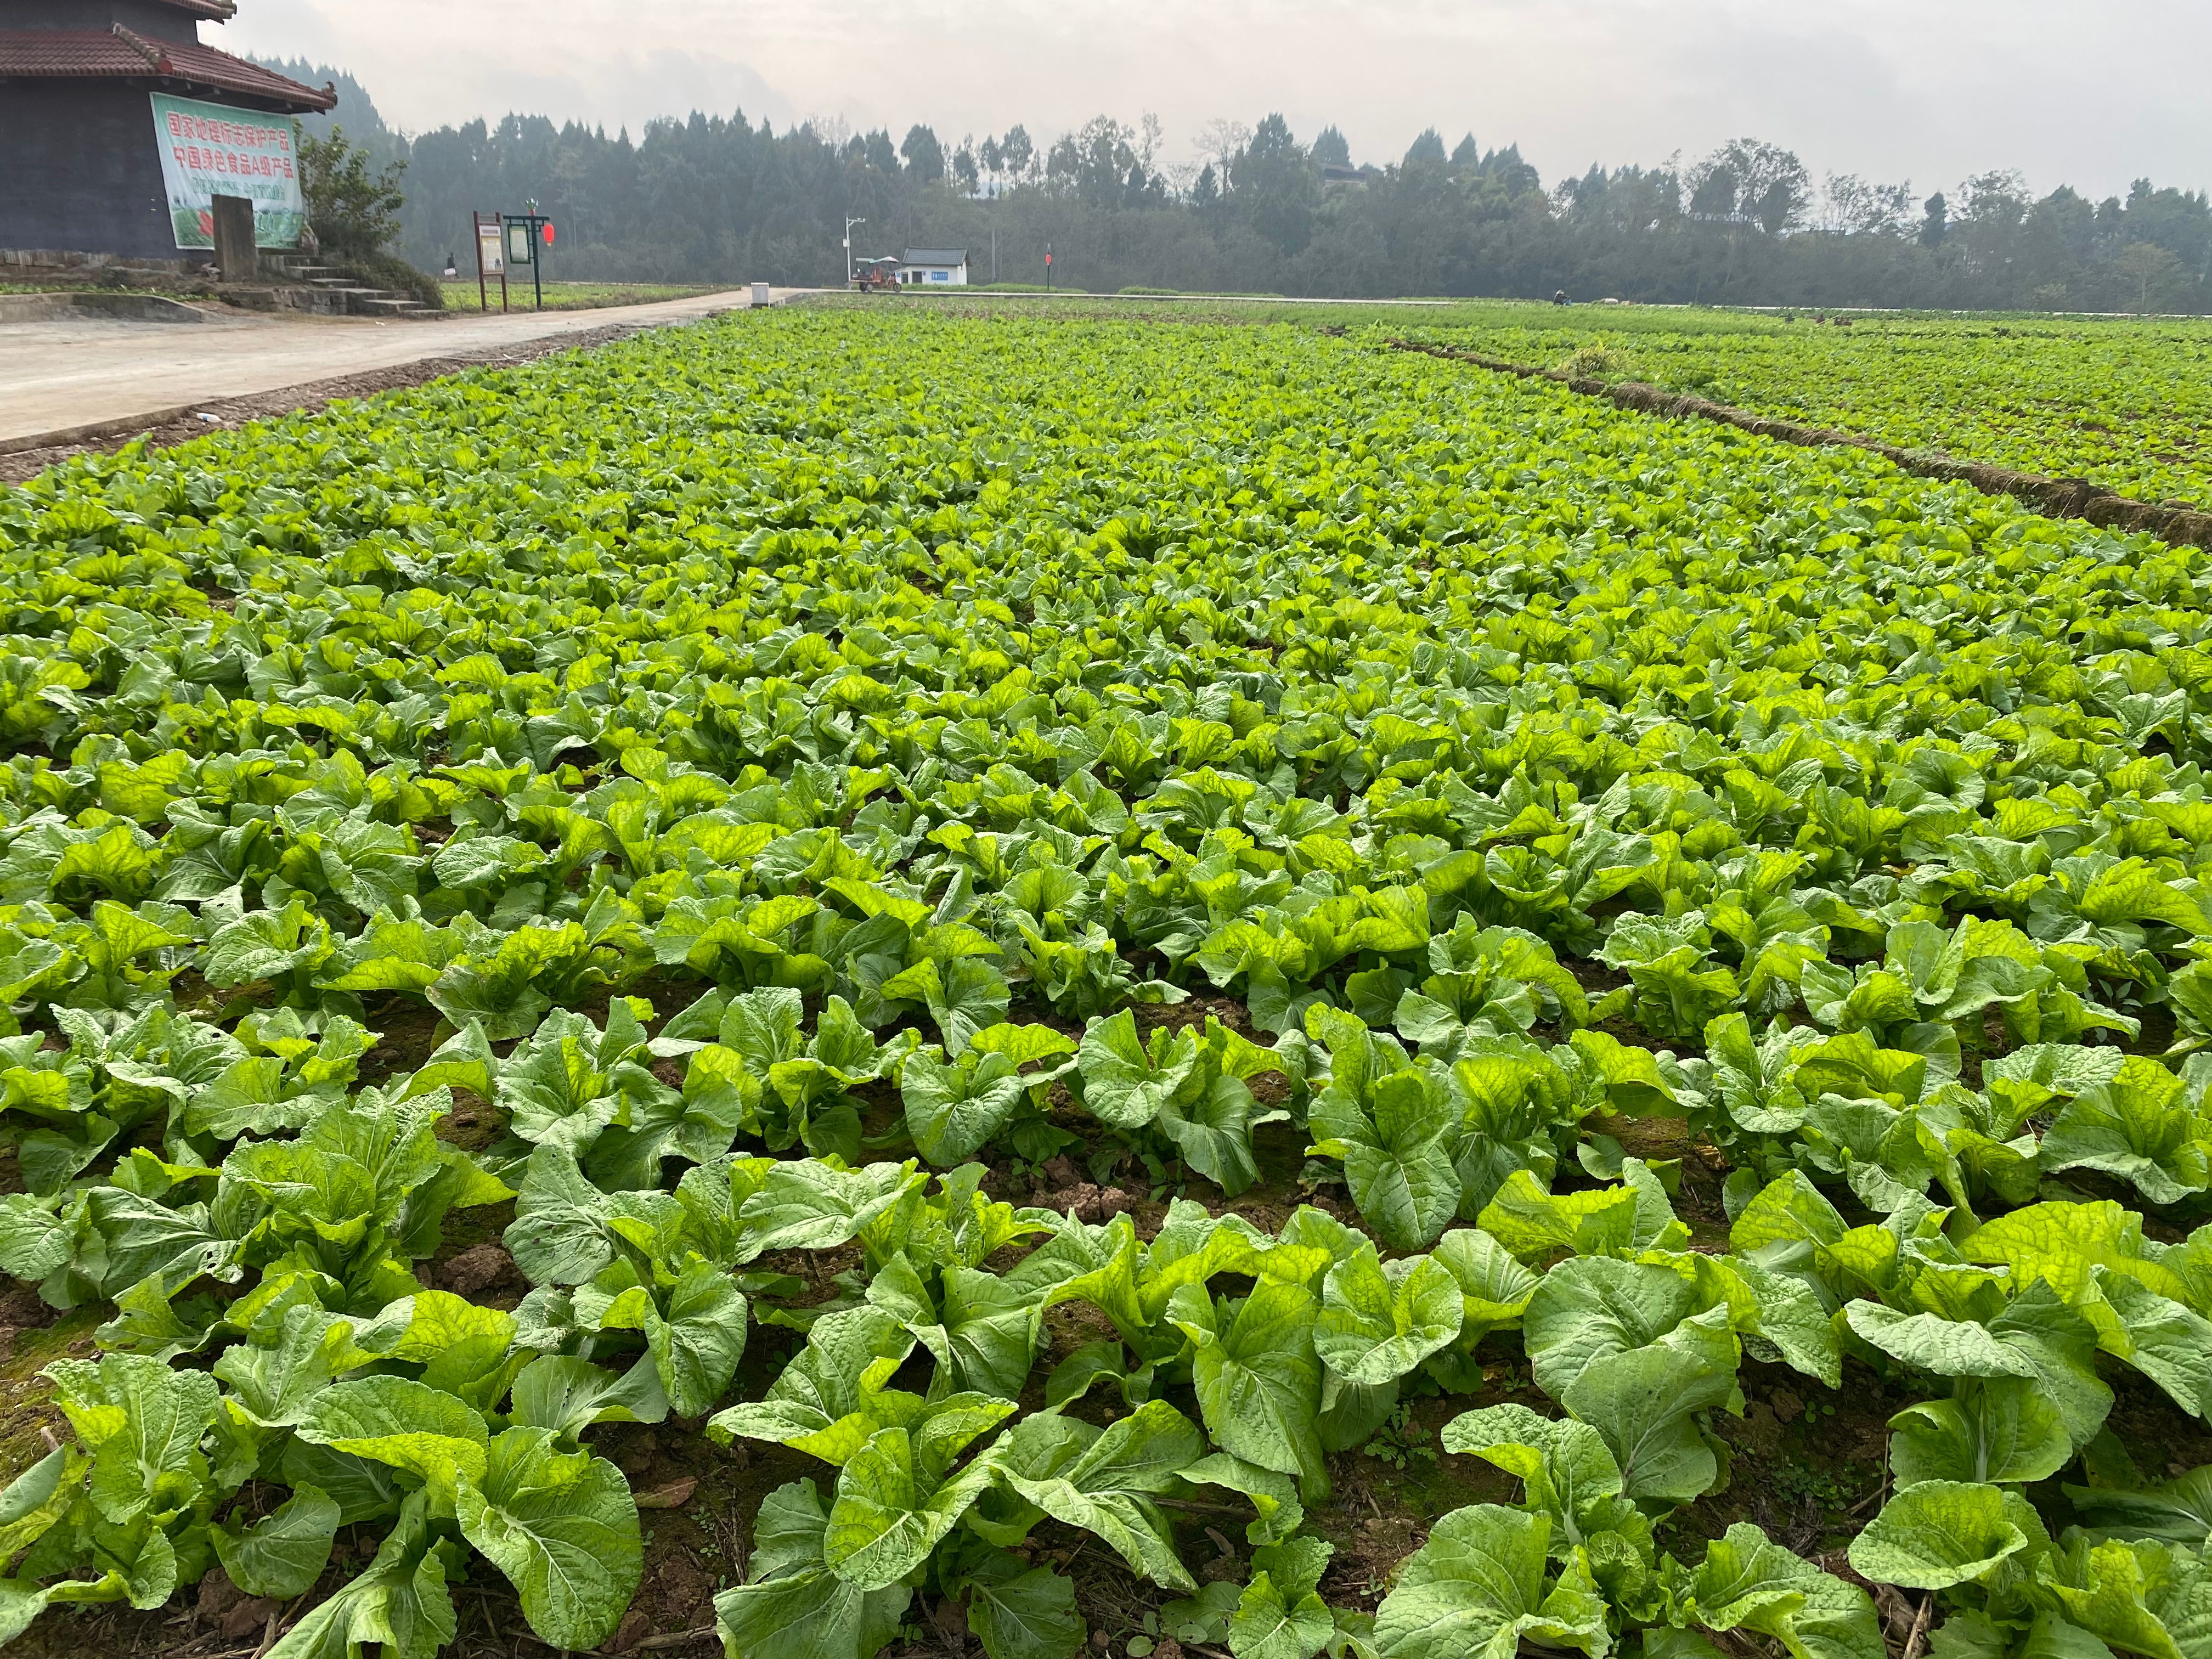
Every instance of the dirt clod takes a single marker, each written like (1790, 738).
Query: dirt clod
(218, 1595)
(478, 1268)
(249, 1617)
(951, 1622)
(1223, 1569)
(1082, 1198)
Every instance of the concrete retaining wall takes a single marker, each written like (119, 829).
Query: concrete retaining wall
(127, 307)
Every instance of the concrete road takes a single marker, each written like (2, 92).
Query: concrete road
(61, 376)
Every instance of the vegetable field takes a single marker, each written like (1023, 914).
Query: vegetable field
(860, 979)
(2126, 404)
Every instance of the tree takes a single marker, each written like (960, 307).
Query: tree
(1713, 193)
(1272, 182)
(1147, 140)
(1857, 207)
(2147, 265)
(1096, 163)
(353, 211)
(356, 111)
(1063, 162)
(709, 198)
(1777, 208)
(925, 157)
(1221, 142)
(1467, 154)
(1935, 221)
(1987, 219)
(965, 166)
(2180, 222)
(1331, 148)
(1750, 178)
(1428, 147)
(1995, 201)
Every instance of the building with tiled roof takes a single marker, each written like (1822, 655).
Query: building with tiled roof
(113, 113)
(921, 266)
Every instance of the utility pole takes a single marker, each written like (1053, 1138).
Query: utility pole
(849, 224)
(994, 250)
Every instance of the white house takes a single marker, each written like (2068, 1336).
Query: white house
(933, 267)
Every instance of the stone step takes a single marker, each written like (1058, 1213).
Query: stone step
(340, 293)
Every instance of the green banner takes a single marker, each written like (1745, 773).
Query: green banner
(215, 149)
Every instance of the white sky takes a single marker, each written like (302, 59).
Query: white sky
(2072, 91)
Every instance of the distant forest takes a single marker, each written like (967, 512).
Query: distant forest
(716, 198)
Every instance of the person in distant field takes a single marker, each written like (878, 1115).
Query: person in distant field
(1560, 298)
(453, 266)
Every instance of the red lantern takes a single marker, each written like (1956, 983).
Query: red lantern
(549, 233)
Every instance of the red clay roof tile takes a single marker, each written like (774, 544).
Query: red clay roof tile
(121, 54)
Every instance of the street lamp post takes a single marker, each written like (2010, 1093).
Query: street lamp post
(528, 234)
(537, 261)
(849, 224)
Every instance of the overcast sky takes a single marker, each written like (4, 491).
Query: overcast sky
(2075, 91)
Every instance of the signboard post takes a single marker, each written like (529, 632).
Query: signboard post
(216, 149)
(525, 232)
(1047, 267)
(490, 259)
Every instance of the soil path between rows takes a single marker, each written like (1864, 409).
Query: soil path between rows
(2059, 498)
(90, 383)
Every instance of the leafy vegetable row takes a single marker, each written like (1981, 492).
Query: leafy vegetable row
(2119, 403)
(917, 706)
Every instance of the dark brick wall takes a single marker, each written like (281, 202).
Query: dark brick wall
(148, 17)
(83, 172)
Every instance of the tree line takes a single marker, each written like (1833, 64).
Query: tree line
(717, 198)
